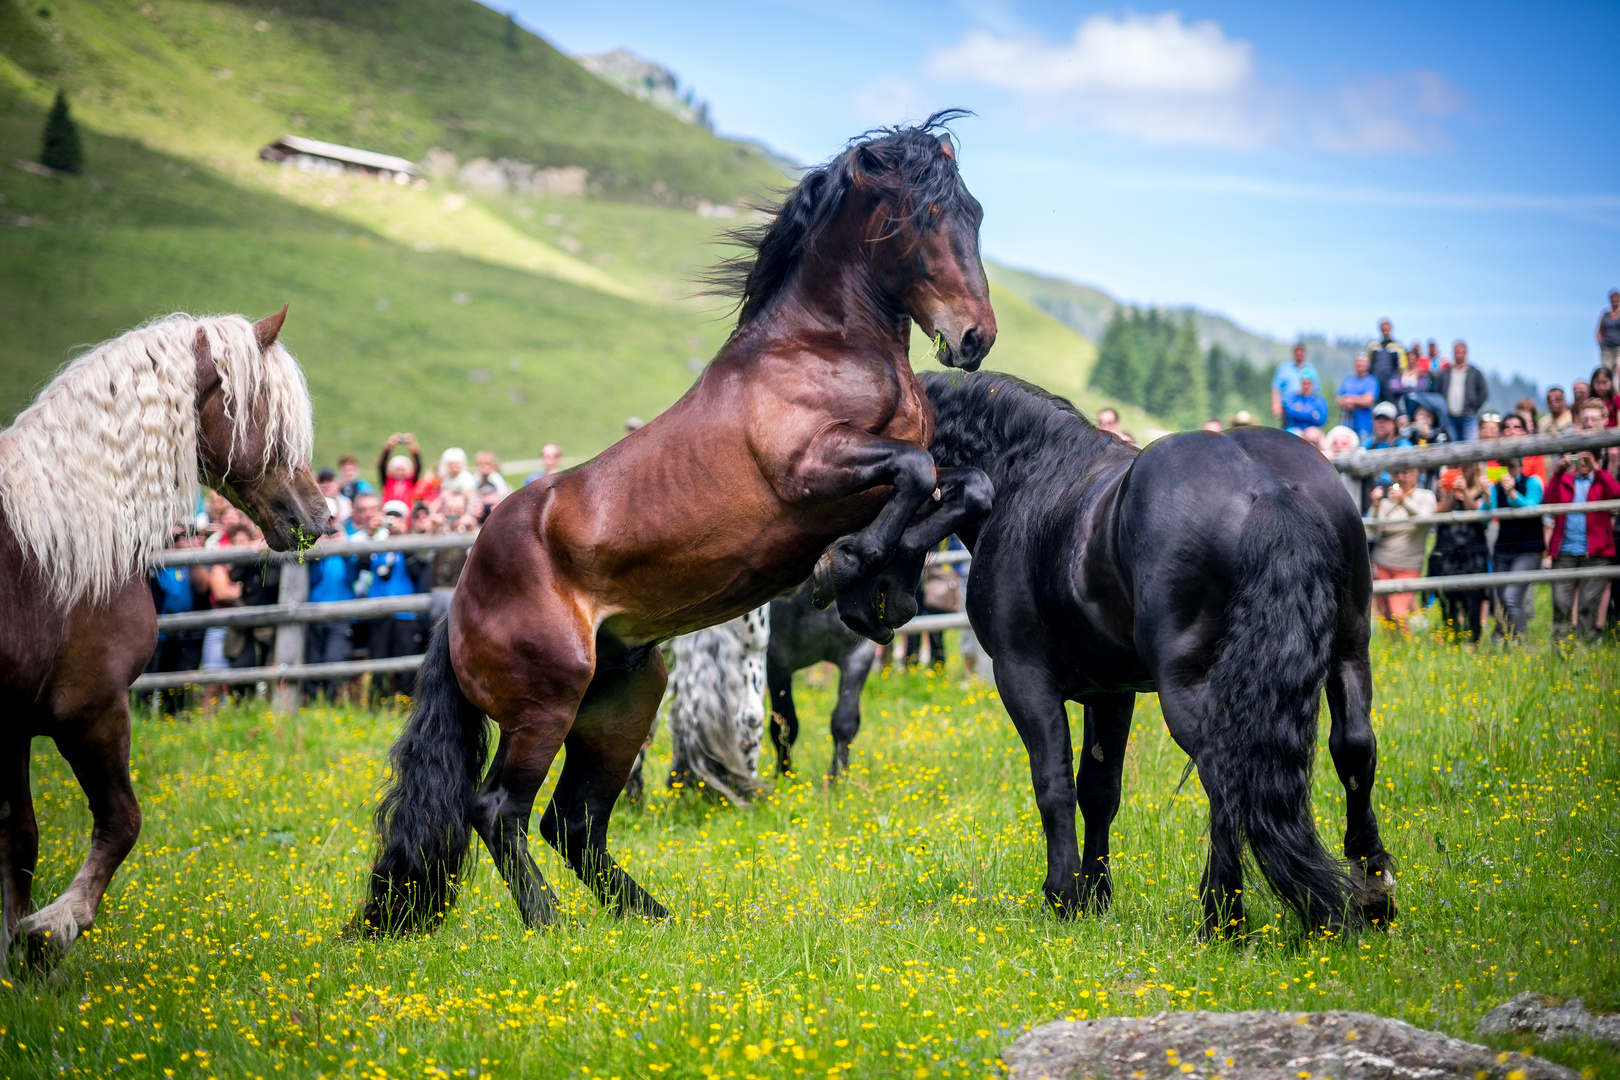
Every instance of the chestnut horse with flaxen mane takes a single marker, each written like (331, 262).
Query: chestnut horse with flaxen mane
(807, 428)
(93, 476)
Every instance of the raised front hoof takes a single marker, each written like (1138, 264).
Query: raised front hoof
(824, 580)
(1372, 884)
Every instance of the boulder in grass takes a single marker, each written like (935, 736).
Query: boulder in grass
(1260, 1046)
(1549, 1019)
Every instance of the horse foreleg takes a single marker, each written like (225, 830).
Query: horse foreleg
(99, 755)
(613, 720)
(19, 839)
(1098, 784)
(1355, 757)
(842, 461)
(1035, 704)
(853, 668)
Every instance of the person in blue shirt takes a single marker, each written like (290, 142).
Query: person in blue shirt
(400, 634)
(1357, 396)
(1384, 436)
(1285, 383)
(331, 579)
(1305, 409)
(177, 589)
(1519, 546)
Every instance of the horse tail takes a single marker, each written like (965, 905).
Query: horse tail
(1267, 681)
(424, 819)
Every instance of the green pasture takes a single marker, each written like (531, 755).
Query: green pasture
(891, 926)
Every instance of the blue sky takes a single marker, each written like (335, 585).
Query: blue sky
(1299, 168)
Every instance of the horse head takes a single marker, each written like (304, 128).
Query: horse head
(922, 232)
(254, 435)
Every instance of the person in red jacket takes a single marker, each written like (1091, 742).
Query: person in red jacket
(1581, 540)
(397, 472)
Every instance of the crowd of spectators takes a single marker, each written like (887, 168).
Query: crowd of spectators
(404, 499)
(1412, 396)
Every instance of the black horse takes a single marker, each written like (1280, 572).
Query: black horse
(1227, 572)
(801, 636)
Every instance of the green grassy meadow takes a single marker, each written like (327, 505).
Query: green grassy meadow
(890, 926)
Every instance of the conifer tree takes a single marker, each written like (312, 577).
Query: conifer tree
(1114, 373)
(61, 148)
(1218, 365)
(1182, 392)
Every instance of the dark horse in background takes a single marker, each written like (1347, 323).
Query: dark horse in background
(92, 477)
(800, 636)
(808, 429)
(1227, 572)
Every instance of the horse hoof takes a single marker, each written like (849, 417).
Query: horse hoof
(823, 590)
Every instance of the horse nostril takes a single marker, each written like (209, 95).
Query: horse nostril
(971, 342)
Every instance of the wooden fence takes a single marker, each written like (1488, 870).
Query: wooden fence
(293, 611)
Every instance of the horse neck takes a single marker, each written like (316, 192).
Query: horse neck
(834, 287)
(1059, 449)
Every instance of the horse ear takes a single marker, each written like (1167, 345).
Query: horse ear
(268, 328)
(867, 161)
(946, 148)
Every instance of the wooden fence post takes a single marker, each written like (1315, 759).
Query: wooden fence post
(290, 636)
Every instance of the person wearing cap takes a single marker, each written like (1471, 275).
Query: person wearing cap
(397, 472)
(1608, 334)
(342, 509)
(1519, 541)
(1385, 436)
(1464, 389)
(397, 634)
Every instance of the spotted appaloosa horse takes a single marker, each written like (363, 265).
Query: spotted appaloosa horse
(92, 476)
(809, 429)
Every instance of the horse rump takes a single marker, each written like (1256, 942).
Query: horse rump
(1267, 681)
(423, 821)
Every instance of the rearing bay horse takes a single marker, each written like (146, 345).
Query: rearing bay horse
(807, 426)
(92, 477)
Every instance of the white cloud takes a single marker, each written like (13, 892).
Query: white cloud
(1155, 55)
(1163, 80)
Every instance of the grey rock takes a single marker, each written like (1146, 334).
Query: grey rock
(1260, 1046)
(1548, 1019)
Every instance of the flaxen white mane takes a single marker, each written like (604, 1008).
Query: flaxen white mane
(97, 469)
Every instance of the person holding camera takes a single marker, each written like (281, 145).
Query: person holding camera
(1581, 540)
(1461, 548)
(1518, 545)
(1398, 553)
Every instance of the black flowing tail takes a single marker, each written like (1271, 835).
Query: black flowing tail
(1267, 682)
(423, 822)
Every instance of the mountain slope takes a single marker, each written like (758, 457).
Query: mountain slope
(492, 321)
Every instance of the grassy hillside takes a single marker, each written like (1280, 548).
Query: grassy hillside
(498, 322)
(396, 76)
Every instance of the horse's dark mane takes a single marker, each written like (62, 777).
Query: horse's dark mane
(902, 165)
(995, 421)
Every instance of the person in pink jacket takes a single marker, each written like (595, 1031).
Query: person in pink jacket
(1580, 540)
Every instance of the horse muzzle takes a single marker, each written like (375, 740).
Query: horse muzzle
(968, 353)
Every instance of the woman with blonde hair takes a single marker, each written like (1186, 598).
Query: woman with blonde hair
(453, 472)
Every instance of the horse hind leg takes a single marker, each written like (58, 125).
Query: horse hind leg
(98, 752)
(501, 809)
(612, 723)
(19, 840)
(1355, 757)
